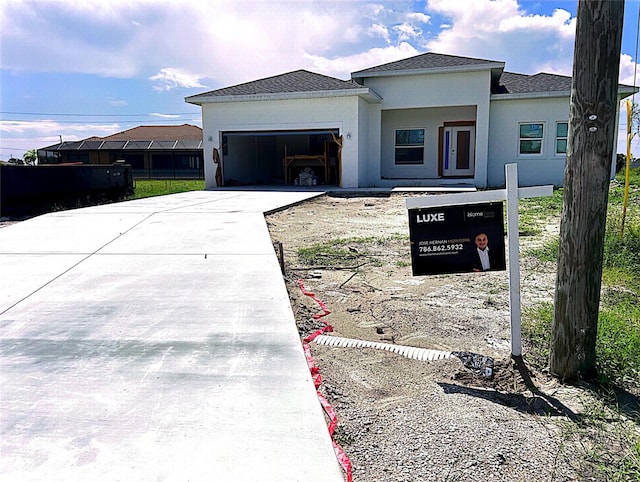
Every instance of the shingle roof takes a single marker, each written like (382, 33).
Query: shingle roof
(427, 61)
(291, 82)
(511, 83)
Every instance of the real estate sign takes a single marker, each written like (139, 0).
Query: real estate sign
(457, 239)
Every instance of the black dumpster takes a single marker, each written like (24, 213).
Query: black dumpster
(32, 190)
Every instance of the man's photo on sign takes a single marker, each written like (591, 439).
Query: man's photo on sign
(483, 257)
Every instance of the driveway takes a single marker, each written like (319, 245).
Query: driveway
(154, 340)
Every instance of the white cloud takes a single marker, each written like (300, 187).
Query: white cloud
(172, 78)
(25, 135)
(370, 58)
(119, 103)
(379, 30)
(629, 71)
(501, 30)
(418, 17)
(46, 127)
(165, 116)
(224, 41)
(407, 31)
(179, 44)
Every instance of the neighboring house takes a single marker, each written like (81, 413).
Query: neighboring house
(155, 152)
(429, 120)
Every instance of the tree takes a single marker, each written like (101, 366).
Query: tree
(30, 157)
(592, 120)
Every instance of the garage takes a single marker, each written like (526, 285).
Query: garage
(291, 157)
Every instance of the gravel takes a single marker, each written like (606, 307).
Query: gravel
(402, 419)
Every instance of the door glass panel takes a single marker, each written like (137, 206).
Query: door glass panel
(463, 141)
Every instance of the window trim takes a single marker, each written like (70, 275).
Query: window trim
(557, 138)
(408, 146)
(542, 142)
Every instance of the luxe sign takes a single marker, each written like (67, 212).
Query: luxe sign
(455, 239)
(439, 204)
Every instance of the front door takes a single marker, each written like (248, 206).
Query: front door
(458, 155)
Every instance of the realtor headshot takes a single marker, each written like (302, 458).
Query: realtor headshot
(484, 259)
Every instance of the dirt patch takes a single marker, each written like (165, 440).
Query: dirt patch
(403, 419)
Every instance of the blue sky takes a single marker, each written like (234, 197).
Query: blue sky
(72, 69)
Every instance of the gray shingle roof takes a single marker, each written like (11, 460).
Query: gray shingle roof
(291, 82)
(511, 83)
(427, 61)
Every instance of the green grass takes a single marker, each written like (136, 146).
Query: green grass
(347, 251)
(534, 211)
(607, 442)
(160, 187)
(618, 341)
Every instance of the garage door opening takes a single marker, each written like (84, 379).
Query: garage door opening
(298, 157)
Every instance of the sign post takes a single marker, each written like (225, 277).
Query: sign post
(511, 194)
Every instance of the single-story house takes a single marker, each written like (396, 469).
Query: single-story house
(154, 152)
(429, 120)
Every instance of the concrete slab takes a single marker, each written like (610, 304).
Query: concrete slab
(147, 360)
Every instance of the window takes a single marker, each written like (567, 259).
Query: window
(562, 130)
(531, 135)
(409, 146)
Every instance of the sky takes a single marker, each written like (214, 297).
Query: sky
(72, 69)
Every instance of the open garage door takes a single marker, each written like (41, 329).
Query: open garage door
(296, 157)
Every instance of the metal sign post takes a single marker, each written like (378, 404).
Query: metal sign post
(512, 193)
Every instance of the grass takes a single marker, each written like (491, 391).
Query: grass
(609, 441)
(159, 187)
(345, 252)
(618, 342)
(534, 211)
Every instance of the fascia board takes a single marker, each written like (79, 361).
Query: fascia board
(365, 93)
(439, 70)
(531, 95)
(622, 93)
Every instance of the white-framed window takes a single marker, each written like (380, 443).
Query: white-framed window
(562, 134)
(409, 146)
(531, 137)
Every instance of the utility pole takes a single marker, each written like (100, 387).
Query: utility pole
(592, 121)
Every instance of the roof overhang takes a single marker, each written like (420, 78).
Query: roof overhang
(429, 71)
(365, 93)
(623, 92)
(532, 95)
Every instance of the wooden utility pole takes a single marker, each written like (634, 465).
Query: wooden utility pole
(592, 121)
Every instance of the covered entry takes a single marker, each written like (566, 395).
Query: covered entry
(297, 157)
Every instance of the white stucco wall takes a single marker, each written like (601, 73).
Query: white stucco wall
(431, 119)
(533, 169)
(367, 172)
(292, 114)
(463, 92)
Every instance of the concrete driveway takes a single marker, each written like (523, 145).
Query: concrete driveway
(153, 340)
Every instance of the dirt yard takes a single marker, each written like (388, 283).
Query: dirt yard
(401, 419)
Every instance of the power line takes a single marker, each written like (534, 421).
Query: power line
(98, 115)
(106, 122)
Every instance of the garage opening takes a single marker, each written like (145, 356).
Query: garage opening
(292, 157)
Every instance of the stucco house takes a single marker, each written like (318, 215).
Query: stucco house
(429, 120)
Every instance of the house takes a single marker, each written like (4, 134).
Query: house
(154, 152)
(429, 120)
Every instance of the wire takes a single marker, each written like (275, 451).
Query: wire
(106, 122)
(98, 115)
